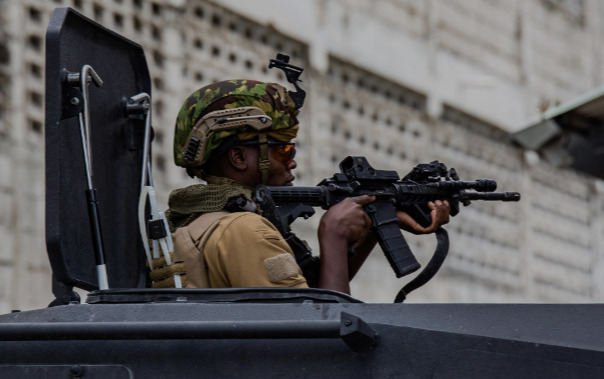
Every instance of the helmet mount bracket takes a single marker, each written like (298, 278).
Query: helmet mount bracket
(292, 73)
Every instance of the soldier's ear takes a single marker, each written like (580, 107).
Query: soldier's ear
(239, 157)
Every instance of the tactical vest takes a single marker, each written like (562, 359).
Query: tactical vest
(188, 257)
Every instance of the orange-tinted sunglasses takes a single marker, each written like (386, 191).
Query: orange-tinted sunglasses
(284, 152)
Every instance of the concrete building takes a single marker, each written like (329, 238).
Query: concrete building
(399, 81)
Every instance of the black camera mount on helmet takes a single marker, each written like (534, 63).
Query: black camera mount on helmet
(292, 73)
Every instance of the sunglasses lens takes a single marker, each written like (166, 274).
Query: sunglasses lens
(285, 153)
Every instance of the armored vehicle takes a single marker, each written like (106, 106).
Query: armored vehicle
(98, 134)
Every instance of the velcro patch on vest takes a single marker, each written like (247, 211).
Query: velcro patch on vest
(281, 267)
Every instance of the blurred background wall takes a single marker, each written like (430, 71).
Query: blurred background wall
(400, 81)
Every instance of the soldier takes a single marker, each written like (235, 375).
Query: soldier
(236, 135)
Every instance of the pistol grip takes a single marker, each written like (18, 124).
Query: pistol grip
(393, 244)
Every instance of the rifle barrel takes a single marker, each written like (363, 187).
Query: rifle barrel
(480, 185)
(493, 196)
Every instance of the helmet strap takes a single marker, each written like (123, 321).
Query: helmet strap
(263, 162)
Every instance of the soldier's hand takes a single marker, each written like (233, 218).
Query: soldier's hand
(439, 214)
(347, 219)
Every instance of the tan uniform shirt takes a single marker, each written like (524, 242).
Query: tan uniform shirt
(246, 250)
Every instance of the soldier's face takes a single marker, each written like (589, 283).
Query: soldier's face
(282, 162)
(280, 170)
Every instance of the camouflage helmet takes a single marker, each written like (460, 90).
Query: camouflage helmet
(246, 108)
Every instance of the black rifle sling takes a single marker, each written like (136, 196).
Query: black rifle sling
(440, 253)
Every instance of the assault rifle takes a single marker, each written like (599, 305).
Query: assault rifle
(426, 182)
